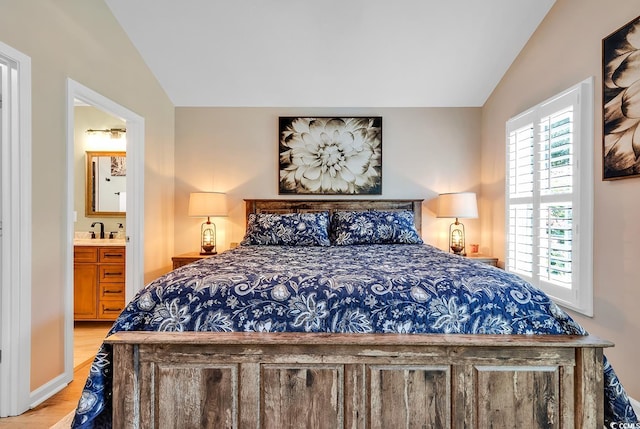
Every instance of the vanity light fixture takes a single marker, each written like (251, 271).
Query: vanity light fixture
(115, 133)
(457, 205)
(207, 204)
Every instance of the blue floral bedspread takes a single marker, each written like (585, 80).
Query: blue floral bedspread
(357, 289)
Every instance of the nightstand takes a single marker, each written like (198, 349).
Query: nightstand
(187, 258)
(489, 260)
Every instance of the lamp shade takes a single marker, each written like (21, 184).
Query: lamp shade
(205, 204)
(458, 205)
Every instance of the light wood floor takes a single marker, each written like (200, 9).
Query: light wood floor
(87, 338)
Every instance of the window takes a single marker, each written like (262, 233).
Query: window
(549, 197)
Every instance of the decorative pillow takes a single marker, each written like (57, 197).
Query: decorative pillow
(374, 227)
(290, 229)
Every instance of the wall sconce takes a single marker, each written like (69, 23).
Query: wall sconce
(207, 204)
(115, 133)
(457, 205)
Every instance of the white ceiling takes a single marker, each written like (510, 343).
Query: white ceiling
(329, 53)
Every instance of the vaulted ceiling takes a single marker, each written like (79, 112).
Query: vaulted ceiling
(329, 53)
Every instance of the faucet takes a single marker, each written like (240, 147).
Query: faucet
(101, 228)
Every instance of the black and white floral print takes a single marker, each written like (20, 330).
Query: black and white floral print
(621, 98)
(331, 155)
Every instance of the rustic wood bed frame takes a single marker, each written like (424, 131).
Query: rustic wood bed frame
(305, 380)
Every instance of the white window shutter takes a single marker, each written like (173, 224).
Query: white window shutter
(549, 196)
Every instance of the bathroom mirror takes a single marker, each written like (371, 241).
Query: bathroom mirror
(106, 184)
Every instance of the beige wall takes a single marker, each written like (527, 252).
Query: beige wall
(81, 40)
(425, 151)
(565, 50)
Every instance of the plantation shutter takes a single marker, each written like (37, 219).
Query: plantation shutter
(543, 199)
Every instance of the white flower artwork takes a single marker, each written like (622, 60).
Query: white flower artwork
(330, 155)
(621, 99)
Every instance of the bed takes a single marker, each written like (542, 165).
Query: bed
(334, 314)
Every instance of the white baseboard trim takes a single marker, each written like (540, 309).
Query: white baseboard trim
(47, 390)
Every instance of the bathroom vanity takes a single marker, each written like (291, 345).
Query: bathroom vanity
(99, 279)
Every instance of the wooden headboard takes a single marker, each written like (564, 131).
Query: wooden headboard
(306, 206)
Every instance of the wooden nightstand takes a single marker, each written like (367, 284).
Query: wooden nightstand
(187, 258)
(489, 260)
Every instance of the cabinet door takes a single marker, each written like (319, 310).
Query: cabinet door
(85, 254)
(84, 291)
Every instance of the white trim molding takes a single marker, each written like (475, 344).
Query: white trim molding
(135, 201)
(15, 286)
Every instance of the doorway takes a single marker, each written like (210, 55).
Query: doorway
(100, 146)
(77, 92)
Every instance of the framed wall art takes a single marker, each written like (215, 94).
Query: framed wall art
(330, 155)
(118, 165)
(621, 102)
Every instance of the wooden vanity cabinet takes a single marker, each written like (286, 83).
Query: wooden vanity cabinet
(99, 282)
(85, 281)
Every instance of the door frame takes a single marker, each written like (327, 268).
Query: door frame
(15, 284)
(135, 201)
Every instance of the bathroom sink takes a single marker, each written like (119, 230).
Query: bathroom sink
(98, 242)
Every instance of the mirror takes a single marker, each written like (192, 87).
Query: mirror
(106, 184)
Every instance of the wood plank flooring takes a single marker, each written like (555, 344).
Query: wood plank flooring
(87, 338)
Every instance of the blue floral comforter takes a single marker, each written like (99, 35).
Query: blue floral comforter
(357, 289)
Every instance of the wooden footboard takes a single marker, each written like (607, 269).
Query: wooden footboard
(293, 380)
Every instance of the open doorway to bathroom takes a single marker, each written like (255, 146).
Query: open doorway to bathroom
(97, 125)
(100, 179)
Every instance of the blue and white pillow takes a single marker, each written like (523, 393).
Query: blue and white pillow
(290, 229)
(374, 227)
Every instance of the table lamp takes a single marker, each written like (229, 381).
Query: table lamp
(207, 204)
(457, 205)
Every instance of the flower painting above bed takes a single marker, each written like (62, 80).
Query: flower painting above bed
(330, 155)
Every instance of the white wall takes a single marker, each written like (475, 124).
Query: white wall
(425, 151)
(565, 50)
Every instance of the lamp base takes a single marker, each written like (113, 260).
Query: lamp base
(208, 238)
(457, 250)
(456, 238)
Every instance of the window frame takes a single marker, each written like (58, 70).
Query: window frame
(581, 96)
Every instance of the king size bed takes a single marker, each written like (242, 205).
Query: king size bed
(334, 314)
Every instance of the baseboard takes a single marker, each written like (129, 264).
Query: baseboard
(49, 389)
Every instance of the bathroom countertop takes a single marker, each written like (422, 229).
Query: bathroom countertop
(98, 242)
